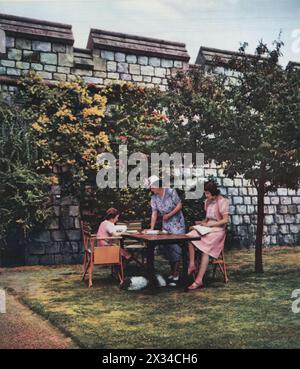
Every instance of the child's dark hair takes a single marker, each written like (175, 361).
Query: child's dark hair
(111, 213)
(211, 187)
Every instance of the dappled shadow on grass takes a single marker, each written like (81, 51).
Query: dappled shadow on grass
(251, 311)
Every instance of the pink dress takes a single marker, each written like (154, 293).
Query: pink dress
(213, 243)
(106, 229)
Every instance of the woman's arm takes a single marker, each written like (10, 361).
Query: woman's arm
(177, 208)
(153, 219)
(219, 223)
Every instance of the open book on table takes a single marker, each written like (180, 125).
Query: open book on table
(202, 229)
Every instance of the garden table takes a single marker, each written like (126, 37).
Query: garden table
(152, 240)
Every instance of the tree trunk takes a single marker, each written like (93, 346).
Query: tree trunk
(260, 224)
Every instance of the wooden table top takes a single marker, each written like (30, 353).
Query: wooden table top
(161, 238)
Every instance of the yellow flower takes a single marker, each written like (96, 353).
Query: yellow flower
(53, 180)
(37, 127)
(96, 111)
(43, 119)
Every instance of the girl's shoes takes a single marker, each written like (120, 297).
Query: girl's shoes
(195, 285)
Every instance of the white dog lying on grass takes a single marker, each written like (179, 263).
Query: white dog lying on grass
(138, 283)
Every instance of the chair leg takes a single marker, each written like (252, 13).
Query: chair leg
(91, 274)
(86, 265)
(214, 271)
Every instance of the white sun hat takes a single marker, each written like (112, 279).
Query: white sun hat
(151, 180)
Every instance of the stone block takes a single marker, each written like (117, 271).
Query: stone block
(137, 78)
(284, 229)
(296, 199)
(37, 248)
(289, 218)
(156, 80)
(14, 54)
(8, 63)
(36, 66)
(285, 200)
(223, 190)
(43, 236)
(48, 58)
(66, 59)
(99, 64)
(82, 72)
(252, 191)
(100, 74)
(50, 68)
(289, 239)
(237, 200)
(274, 200)
(45, 75)
(108, 55)
(64, 70)
(147, 70)
(41, 46)
(241, 209)
(93, 80)
(232, 191)
(59, 48)
(147, 79)
(237, 219)
(254, 200)
(22, 43)
(251, 209)
(297, 219)
(125, 77)
(74, 235)
(282, 191)
(269, 219)
(143, 60)
(13, 72)
(111, 66)
(9, 41)
(247, 200)
(131, 59)
(154, 62)
(167, 63)
(228, 182)
(22, 65)
(295, 228)
(74, 210)
(122, 68)
(237, 182)
(160, 72)
(53, 248)
(291, 209)
(120, 57)
(59, 76)
(113, 75)
(58, 236)
(178, 64)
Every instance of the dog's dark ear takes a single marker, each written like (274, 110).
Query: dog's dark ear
(126, 283)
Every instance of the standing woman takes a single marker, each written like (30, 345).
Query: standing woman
(165, 201)
(212, 243)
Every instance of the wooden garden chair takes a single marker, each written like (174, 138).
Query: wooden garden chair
(216, 263)
(100, 255)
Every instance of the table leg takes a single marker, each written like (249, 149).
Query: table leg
(150, 265)
(184, 276)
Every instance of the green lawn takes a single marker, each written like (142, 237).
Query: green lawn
(249, 312)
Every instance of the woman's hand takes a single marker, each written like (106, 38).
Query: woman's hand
(166, 217)
(210, 223)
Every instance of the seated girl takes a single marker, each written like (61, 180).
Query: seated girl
(108, 229)
(212, 243)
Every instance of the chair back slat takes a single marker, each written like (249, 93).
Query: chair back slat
(107, 255)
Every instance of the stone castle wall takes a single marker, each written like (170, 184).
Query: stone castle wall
(47, 47)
